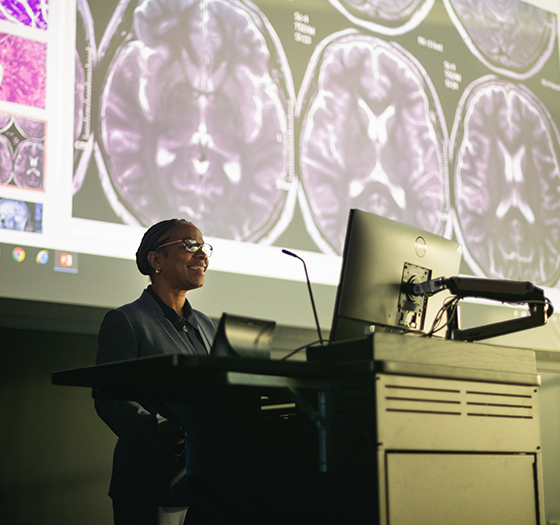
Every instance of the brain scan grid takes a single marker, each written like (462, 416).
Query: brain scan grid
(436, 113)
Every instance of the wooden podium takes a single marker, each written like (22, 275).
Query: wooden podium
(391, 429)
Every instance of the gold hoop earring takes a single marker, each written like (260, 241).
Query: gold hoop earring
(158, 271)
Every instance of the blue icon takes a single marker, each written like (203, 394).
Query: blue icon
(42, 257)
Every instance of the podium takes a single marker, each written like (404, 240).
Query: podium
(390, 429)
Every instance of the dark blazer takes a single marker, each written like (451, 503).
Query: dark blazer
(146, 464)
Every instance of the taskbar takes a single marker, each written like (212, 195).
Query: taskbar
(57, 260)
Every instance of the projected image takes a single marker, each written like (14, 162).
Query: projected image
(266, 121)
(6, 160)
(79, 98)
(513, 38)
(30, 13)
(5, 121)
(85, 58)
(507, 182)
(21, 215)
(28, 165)
(194, 120)
(388, 17)
(23, 66)
(29, 128)
(373, 137)
(22, 152)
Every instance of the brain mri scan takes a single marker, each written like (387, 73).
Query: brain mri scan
(372, 137)
(22, 152)
(195, 121)
(28, 164)
(513, 38)
(507, 182)
(389, 17)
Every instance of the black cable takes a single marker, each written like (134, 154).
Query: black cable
(449, 304)
(301, 348)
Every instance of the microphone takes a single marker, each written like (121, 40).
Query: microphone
(310, 293)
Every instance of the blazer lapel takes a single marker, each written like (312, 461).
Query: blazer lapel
(167, 325)
(206, 338)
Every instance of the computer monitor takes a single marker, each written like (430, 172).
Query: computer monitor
(382, 259)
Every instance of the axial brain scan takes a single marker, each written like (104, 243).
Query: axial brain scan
(28, 164)
(372, 137)
(513, 38)
(194, 119)
(390, 17)
(22, 152)
(507, 182)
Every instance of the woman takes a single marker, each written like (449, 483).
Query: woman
(148, 484)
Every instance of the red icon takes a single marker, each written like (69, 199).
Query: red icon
(65, 260)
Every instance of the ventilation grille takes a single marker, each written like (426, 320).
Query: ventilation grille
(486, 402)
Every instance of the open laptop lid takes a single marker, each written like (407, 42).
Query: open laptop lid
(243, 337)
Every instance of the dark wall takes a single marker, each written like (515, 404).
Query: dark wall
(55, 453)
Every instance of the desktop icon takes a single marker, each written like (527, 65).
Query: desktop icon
(18, 254)
(43, 257)
(65, 261)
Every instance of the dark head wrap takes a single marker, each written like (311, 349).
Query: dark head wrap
(154, 237)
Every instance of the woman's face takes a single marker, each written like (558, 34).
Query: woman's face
(180, 269)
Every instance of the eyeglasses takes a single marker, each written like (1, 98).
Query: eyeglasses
(192, 246)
